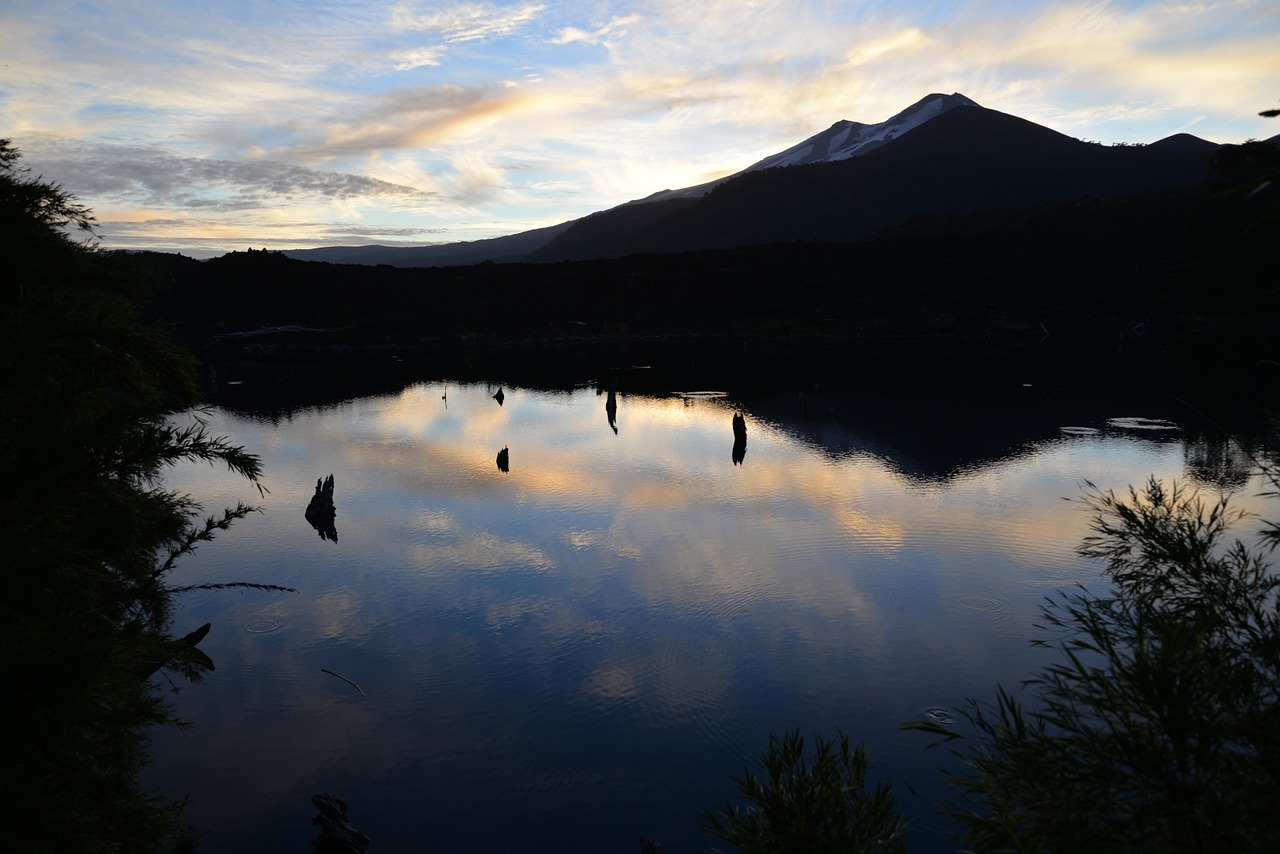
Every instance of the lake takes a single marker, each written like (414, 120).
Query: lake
(590, 645)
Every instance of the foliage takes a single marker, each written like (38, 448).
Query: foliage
(87, 531)
(1248, 164)
(800, 807)
(1250, 172)
(1159, 727)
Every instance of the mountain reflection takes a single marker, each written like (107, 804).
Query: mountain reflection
(928, 433)
(938, 434)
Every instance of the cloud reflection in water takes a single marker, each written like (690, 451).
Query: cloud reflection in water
(612, 627)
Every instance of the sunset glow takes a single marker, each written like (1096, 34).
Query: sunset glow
(208, 128)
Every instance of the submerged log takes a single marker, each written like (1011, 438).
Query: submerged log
(337, 836)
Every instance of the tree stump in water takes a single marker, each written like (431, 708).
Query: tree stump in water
(320, 511)
(337, 836)
(739, 438)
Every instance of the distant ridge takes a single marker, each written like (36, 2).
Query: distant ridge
(512, 247)
(1186, 142)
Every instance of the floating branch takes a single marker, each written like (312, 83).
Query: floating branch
(345, 679)
(232, 585)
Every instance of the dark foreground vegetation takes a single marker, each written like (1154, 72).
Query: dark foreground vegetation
(1156, 728)
(88, 533)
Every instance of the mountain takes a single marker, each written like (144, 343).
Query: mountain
(945, 154)
(842, 140)
(966, 159)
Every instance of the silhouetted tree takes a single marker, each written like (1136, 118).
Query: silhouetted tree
(88, 533)
(1158, 728)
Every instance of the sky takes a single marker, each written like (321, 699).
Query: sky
(209, 127)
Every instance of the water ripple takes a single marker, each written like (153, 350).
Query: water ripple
(939, 716)
(984, 606)
(1138, 423)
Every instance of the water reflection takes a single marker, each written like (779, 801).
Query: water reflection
(739, 438)
(1219, 460)
(591, 650)
(611, 410)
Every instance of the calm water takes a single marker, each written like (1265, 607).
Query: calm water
(589, 646)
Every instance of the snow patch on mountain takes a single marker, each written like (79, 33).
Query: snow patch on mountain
(842, 140)
(846, 139)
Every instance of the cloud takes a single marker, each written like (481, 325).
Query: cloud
(155, 177)
(474, 180)
(204, 234)
(420, 116)
(901, 42)
(617, 27)
(463, 22)
(407, 60)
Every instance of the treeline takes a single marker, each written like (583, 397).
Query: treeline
(1172, 261)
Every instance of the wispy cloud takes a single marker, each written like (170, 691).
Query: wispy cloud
(617, 27)
(474, 180)
(463, 22)
(154, 177)
(407, 60)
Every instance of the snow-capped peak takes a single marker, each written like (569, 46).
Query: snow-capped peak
(842, 140)
(846, 139)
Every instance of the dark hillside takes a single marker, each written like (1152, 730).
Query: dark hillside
(616, 227)
(1165, 263)
(508, 248)
(1018, 157)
